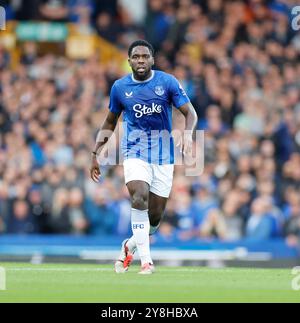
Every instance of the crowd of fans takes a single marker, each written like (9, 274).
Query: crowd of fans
(239, 62)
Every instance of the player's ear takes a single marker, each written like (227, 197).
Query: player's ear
(129, 61)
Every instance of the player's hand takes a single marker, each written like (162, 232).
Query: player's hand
(95, 170)
(187, 145)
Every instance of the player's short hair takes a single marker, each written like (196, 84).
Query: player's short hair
(140, 42)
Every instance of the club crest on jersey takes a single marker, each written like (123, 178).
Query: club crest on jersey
(159, 90)
(129, 95)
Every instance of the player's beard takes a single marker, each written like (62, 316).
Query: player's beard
(142, 75)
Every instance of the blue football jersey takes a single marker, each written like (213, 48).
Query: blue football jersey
(147, 115)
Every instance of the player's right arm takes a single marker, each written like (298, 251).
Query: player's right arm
(103, 136)
(109, 125)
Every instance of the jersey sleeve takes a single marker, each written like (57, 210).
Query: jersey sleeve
(177, 93)
(115, 105)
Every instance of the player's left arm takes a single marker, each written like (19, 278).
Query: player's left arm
(191, 121)
(180, 100)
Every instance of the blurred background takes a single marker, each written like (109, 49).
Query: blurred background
(238, 62)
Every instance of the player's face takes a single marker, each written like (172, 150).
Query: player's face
(141, 62)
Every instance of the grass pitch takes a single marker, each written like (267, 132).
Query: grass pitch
(99, 284)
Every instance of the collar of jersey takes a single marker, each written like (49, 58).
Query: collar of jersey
(149, 79)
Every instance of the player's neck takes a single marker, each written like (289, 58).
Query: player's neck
(146, 78)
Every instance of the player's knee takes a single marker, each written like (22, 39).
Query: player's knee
(139, 201)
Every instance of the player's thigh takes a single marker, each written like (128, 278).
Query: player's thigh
(162, 180)
(138, 178)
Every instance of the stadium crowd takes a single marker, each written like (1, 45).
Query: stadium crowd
(239, 62)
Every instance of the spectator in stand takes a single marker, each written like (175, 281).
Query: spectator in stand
(292, 200)
(101, 214)
(21, 221)
(157, 23)
(37, 209)
(4, 58)
(234, 222)
(214, 225)
(54, 10)
(76, 211)
(204, 201)
(29, 54)
(107, 28)
(292, 226)
(59, 221)
(80, 8)
(259, 225)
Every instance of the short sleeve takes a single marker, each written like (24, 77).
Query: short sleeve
(114, 104)
(177, 93)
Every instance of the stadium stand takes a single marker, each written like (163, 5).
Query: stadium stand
(238, 62)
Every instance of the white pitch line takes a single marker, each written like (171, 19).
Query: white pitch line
(172, 269)
(59, 269)
(159, 269)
